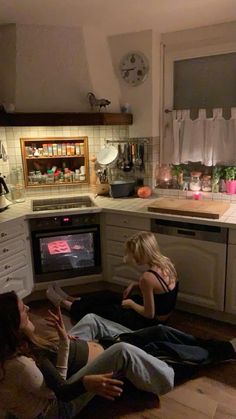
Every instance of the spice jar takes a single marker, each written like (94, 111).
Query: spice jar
(195, 183)
(206, 183)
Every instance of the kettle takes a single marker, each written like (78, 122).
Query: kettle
(3, 201)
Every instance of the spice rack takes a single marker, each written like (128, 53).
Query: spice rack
(55, 161)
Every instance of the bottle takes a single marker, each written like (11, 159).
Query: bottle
(206, 183)
(195, 183)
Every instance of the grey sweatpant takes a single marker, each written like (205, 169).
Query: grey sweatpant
(143, 370)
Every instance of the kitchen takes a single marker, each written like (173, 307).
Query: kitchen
(28, 91)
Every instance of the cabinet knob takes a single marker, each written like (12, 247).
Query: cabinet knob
(125, 221)
(3, 234)
(8, 279)
(7, 266)
(5, 250)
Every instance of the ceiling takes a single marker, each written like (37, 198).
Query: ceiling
(119, 16)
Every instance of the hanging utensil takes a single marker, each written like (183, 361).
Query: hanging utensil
(138, 160)
(120, 159)
(141, 154)
(128, 158)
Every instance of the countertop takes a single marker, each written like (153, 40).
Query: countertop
(131, 206)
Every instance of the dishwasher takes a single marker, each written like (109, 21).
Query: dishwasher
(199, 255)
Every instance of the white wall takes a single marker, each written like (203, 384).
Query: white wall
(139, 97)
(55, 68)
(7, 64)
(51, 69)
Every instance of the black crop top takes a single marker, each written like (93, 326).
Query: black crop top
(164, 303)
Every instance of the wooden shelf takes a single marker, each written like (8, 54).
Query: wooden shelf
(54, 157)
(43, 164)
(21, 119)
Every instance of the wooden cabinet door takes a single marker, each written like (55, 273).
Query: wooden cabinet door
(121, 273)
(200, 267)
(15, 256)
(230, 300)
(19, 281)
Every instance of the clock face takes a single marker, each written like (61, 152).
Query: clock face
(134, 68)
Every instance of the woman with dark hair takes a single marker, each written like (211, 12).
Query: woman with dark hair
(24, 356)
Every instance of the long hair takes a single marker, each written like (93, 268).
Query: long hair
(143, 248)
(13, 341)
(10, 337)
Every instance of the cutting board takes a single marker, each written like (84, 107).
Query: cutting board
(189, 207)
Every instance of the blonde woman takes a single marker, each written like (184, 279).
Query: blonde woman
(153, 303)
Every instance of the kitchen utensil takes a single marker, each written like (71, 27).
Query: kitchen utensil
(121, 188)
(138, 160)
(128, 158)
(4, 203)
(107, 155)
(192, 208)
(120, 160)
(141, 155)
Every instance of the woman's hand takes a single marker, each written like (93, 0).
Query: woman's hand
(103, 385)
(128, 303)
(128, 290)
(56, 321)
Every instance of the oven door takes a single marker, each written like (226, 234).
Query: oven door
(67, 253)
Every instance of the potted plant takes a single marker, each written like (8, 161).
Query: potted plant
(177, 173)
(230, 181)
(216, 175)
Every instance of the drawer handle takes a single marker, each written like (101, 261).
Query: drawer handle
(7, 266)
(5, 250)
(3, 234)
(8, 279)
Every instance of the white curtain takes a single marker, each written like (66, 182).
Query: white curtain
(208, 140)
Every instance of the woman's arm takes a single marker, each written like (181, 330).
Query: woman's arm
(101, 384)
(130, 287)
(148, 308)
(56, 321)
(31, 378)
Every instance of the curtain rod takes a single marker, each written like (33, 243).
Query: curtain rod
(129, 140)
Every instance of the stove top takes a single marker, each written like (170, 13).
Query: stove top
(62, 203)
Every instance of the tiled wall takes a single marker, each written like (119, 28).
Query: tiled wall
(97, 137)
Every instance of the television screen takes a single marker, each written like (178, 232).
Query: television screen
(67, 252)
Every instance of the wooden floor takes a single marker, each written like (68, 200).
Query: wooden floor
(209, 395)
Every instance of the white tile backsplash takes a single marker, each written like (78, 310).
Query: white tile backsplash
(10, 137)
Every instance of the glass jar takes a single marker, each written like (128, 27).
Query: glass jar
(206, 183)
(195, 183)
(17, 186)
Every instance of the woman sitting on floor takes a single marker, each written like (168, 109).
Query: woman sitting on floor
(91, 369)
(158, 287)
(152, 359)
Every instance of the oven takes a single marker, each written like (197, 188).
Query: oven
(65, 246)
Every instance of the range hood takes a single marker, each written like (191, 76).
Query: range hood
(21, 119)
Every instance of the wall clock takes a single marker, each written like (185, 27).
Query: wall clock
(134, 68)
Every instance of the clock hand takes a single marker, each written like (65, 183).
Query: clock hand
(128, 69)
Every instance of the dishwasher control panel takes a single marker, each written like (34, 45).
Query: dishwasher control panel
(189, 230)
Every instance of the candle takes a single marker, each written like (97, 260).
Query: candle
(197, 195)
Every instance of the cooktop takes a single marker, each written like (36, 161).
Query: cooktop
(62, 203)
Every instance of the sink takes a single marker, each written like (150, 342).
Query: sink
(62, 203)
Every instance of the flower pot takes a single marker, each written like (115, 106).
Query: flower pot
(230, 186)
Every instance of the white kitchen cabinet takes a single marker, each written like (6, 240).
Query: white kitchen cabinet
(230, 300)
(117, 229)
(200, 266)
(15, 258)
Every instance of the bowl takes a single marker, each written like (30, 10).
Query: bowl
(121, 188)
